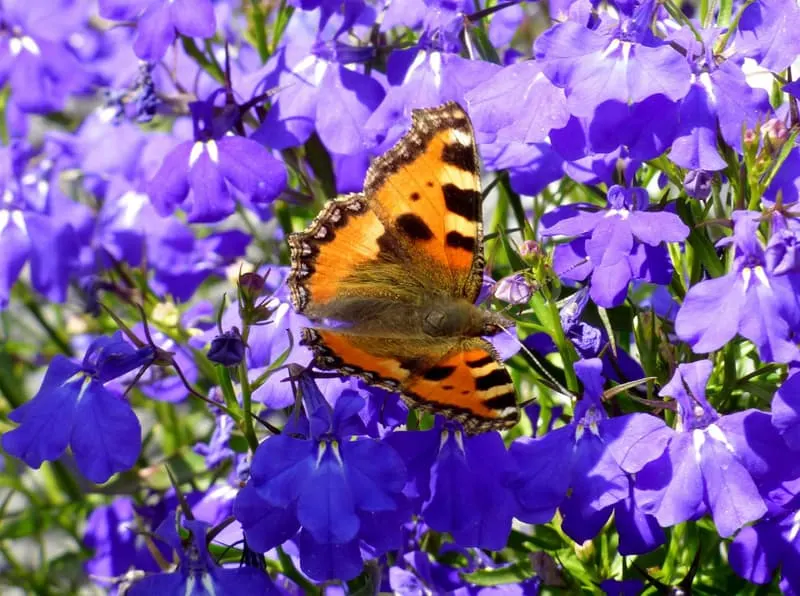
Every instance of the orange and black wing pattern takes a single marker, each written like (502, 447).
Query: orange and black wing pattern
(461, 379)
(427, 189)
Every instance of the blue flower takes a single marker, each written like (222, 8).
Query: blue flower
(759, 550)
(198, 174)
(455, 482)
(197, 573)
(585, 469)
(73, 408)
(615, 62)
(340, 493)
(158, 21)
(725, 465)
(752, 300)
(615, 245)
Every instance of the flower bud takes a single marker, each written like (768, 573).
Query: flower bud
(227, 349)
(513, 289)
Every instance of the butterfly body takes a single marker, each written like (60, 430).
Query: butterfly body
(391, 276)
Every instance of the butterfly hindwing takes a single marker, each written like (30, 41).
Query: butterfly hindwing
(463, 379)
(427, 189)
(468, 384)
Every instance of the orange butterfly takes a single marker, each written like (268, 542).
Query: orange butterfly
(399, 266)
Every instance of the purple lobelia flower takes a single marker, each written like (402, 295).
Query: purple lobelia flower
(343, 495)
(585, 461)
(74, 408)
(157, 22)
(111, 532)
(31, 230)
(217, 449)
(197, 572)
(786, 409)
(318, 91)
(759, 550)
(35, 56)
(752, 300)
(719, 96)
(614, 245)
(455, 483)
(198, 175)
(723, 465)
(620, 61)
(424, 76)
(768, 32)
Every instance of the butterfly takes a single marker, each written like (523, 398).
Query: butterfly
(391, 276)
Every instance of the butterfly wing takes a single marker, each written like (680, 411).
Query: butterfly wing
(426, 189)
(462, 379)
(469, 384)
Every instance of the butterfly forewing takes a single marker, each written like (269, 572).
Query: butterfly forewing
(427, 189)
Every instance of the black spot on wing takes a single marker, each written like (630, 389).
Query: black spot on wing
(456, 240)
(463, 202)
(438, 373)
(495, 378)
(415, 196)
(480, 362)
(413, 227)
(460, 156)
(502, 401)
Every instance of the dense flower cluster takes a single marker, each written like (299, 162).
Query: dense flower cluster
(157, 408)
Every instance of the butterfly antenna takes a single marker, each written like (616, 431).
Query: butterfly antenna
(536, 362)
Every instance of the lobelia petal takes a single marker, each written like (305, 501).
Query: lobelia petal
(695, 147)
(731, 493)
(209, 200)
(375, 472)
(169, 187)
(610, 283)
(639, 533)
(634, 440)
(121, 10)
(251, 168)
(194, 18)
(656, 227)
(265, 526)
(671, 487)
(582, 525)
(786, 410)
(488, 526)
(755, 552)
(571, 262)
(327, 561)
(711, 313)
(159, 583)
(350, 98)
(326, 504)
(281, 467)
(541, 474)
(108, 438)
(597, 480)
(46, 425)
(53, 245)
(154, 32)
(16, 248)
(738, 104)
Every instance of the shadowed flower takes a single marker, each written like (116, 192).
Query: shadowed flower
(197, 573)
(455, 482)
(341, 494)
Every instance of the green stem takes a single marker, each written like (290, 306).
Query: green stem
(247, 398)
(60, 340)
